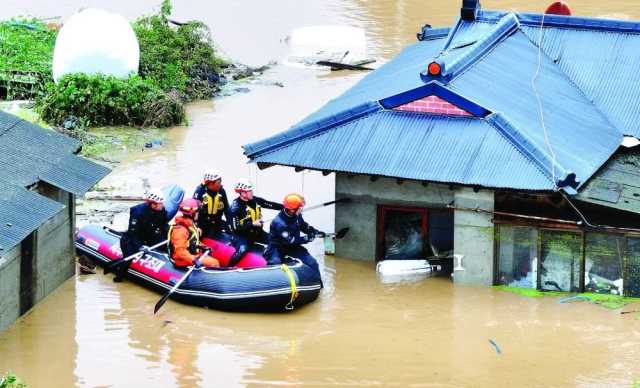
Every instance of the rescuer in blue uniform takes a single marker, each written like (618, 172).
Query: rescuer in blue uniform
(284, 234)
(246, 219)
(148, 225)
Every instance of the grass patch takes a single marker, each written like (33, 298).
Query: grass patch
(11, 381)
(604, 300)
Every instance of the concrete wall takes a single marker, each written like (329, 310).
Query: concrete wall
(53, 261)
(9, 287)
(473, 238)
(360, 215)
(473, 231)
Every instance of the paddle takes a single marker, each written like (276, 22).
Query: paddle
(338, 235)
(313, 207)
(166, 296)
(110, 267)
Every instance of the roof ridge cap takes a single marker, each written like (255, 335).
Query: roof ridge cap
(507, 25)
(565, 179)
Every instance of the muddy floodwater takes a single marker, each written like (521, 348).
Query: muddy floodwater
(92, 332)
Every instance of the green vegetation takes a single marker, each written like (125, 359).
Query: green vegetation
(604, 300)
(26, 53)
(179, 59)
(177, 64)
(11, 381)
(100, 100)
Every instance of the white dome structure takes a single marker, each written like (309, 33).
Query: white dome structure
(95, 41)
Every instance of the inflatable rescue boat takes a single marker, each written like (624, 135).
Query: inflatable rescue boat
(250, 286)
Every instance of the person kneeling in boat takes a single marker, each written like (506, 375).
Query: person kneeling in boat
(148, 225)
(184, 238)
(284, 234)
(214, 205)
(246, 219)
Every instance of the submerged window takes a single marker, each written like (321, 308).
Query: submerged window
(560, 260)
(414, 233)
(517, 264)
(440, 232)
(632, 268)
(603, 265)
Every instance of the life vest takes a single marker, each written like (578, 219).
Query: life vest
(194, 239)
(213, 205)
(252, 214)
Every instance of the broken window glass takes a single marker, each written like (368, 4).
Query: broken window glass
(632, 270)
(603, 265)
(441, 232)
(403, 235)
(560, 255)
(517, 264)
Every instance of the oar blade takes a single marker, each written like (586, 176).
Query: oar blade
(161, 302)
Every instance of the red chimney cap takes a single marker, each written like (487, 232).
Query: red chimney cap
(559, 8)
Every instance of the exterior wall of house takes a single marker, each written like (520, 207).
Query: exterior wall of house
(360, 214)
(474, 237)
(55, 260)
(9, 287)
(473, 231)
(27, 279)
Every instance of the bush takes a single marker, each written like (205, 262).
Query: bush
(26, 55)
(179, 59)
(11, 381)
(98, 100)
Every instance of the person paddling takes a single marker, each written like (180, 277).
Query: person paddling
(214, 204)
(246, 219)
(284, 234)
(184, 238)
(148, 225)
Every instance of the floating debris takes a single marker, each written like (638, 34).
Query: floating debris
(495, 345)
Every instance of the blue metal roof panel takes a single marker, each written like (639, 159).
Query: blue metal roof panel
(603, 64)
(581, 137)
(416, 146)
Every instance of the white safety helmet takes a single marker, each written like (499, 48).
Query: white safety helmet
(243, 185)
(154, 195)
(211, 175)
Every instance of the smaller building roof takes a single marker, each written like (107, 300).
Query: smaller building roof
(29, 154)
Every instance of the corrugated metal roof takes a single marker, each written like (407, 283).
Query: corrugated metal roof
(461, 150)
(579, 135)
(491, 61)
(29, 153)
(21, 212)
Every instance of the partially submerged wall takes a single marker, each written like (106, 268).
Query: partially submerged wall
(473, 231)
(40, 263)
(360, 215)
(473, 237)
(9, 287)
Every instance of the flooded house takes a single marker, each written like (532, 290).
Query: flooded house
(508, 141)
(41, 174)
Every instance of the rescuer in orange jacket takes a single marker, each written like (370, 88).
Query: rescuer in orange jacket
(184, 238)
